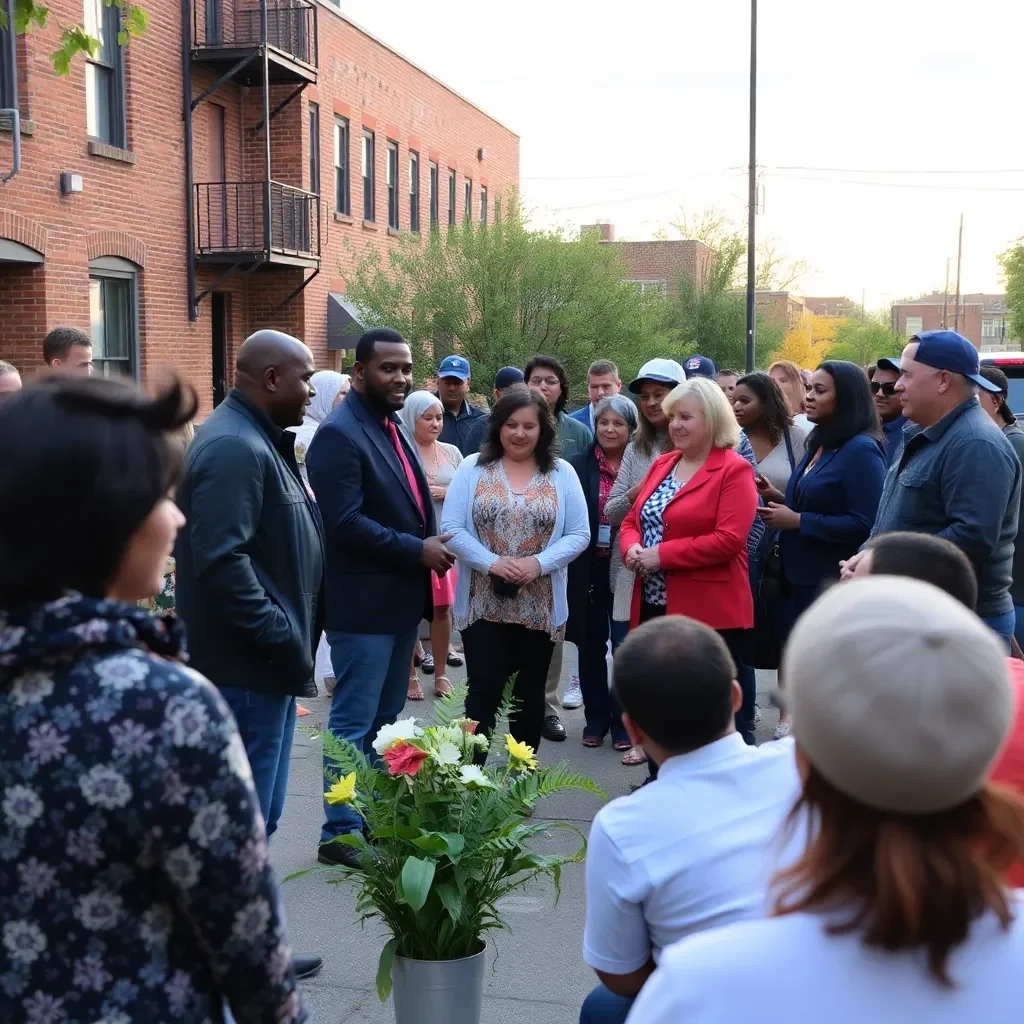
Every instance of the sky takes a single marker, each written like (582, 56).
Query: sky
(628, 112)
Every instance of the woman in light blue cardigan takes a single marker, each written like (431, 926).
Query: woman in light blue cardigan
(517, 517)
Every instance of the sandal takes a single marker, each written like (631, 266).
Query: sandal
(442, 686)
(417, 654)
(415, 691)
(593, 741)
(621, 745)
(455, 660)
(427, 663)
(634, 756)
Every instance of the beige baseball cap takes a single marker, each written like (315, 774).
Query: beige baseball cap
(899, 695)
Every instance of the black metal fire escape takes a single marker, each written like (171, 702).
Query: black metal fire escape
(259, 224)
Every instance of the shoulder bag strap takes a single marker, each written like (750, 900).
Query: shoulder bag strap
(789, 449)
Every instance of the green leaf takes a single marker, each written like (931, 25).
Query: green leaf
(387, 959)
(450, 843)
(417, 876)
(123, 37)
(451, 899)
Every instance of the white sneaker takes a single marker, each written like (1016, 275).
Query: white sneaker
(573, 697)
(781, 731)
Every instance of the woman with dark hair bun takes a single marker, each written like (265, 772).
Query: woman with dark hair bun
(134, 883)
(517, 517)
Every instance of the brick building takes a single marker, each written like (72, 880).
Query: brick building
(179, 235)
(658, 264)
(780, 309)
(831, 306)
(983, 318)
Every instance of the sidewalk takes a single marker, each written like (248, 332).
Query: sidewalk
(535, 970)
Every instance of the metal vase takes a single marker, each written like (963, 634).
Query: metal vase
(438, 991)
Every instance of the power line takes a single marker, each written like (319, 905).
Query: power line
(865, 170)
(905, 184)
(632, 199)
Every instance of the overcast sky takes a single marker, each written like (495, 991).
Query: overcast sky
(628, 110)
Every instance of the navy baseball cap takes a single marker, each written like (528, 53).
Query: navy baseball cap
(454, 366)
(947, 350)
(507, 376)
(889, 363)
(699, 366)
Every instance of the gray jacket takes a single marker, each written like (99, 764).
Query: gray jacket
(959, 479)
(1015, 436)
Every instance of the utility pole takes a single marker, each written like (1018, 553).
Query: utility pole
(959, 252)
(945, 296)
(752, 188)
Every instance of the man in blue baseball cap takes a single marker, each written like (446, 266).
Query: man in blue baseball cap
(888, 404)
(957, 476)
(460, 417)
(699, 366)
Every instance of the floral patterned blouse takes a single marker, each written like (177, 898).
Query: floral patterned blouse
(134, 879)
(514, 525)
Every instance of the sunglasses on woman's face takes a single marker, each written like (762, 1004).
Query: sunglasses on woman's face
(887, 389)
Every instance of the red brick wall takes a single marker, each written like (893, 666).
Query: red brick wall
(665, 261)
(141, 205)
(931, 316)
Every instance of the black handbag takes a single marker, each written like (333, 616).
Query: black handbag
(771, 587)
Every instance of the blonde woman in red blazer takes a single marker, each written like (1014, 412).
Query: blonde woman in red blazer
(686, 534)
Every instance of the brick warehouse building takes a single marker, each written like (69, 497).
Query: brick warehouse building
(94, 227)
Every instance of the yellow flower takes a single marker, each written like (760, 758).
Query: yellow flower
(522, 753)
(342, 791)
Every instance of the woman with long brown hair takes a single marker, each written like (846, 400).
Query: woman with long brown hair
(895, 908)
(791, 383)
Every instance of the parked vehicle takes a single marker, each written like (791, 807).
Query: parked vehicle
(1012, 364)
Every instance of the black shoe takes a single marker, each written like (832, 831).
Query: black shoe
(306, 965)
(339, 855)
(553, 729)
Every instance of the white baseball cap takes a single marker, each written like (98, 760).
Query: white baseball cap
(665, 371)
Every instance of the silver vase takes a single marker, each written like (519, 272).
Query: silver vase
(438, 991)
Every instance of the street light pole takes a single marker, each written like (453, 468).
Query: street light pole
(752, 188)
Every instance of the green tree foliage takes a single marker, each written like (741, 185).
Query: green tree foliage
(865, 341)
(73, 38)
(500, 293)
(1013, 269)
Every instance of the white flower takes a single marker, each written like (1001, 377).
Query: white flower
(121, 672)
(22, 806)
(10, 637)
(91, 631)
(237, 759)
(208, 823)
(24, 940)
(181, 867)
(481, 741)
(449, 734)
(155, 925)
(105, 787)
(31, 688)
(98, 911)
(188, 720)
(251, 920)
(473, 775)
(403, 729)
(446, 753)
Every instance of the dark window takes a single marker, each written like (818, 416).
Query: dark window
(369, 177)
(104, 76)
(414, 191)
(451, 197)
(314, 148)
(217, 194)
(112, 319)
(483, 204)
(434, 186)
(392, 184)
(8, 68)
(214, 22)
(467, 212)
(342, 203)
(497, 209)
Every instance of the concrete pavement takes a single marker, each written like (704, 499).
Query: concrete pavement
(535, 970)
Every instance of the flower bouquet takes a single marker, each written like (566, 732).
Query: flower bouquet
(444, 840)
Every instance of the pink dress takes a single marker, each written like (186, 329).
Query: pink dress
(448, 459)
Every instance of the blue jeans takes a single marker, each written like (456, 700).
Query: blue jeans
(1018, 628)
(266, 722)
(371, 672)
(1003, 625)
(603, 1006)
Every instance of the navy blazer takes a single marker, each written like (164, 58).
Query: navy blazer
(581, 569)
(583, 416)
(374, 530)
(837, 500)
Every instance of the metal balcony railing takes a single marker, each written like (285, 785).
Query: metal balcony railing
(231, 218)
(238, 24)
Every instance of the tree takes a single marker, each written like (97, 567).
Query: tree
(775, 272)
(809, 341)
(866, 341)
(1012, 262)
(73, 38)
(500, 293)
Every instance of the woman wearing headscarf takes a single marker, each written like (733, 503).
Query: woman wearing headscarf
(590, 594)
(423, 417)
(331, 387)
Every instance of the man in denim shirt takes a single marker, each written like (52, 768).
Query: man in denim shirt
(957, 476)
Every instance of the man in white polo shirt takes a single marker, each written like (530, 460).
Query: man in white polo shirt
(695, 848)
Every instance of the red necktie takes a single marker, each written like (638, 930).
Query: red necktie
(396, 443)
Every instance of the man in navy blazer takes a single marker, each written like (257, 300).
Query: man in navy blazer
(602, 382)
(381, 547)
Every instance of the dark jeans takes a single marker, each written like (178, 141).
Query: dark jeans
(495, 652)
(737, 640)
(603, 1006)
(266, 722)
(600, 707)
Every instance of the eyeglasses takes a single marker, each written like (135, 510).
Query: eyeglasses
(887, 389)
(552, 382)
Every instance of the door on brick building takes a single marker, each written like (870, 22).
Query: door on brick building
(219, 321)
(214, 21)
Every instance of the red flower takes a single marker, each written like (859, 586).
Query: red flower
(404, 759)
(469, 726)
